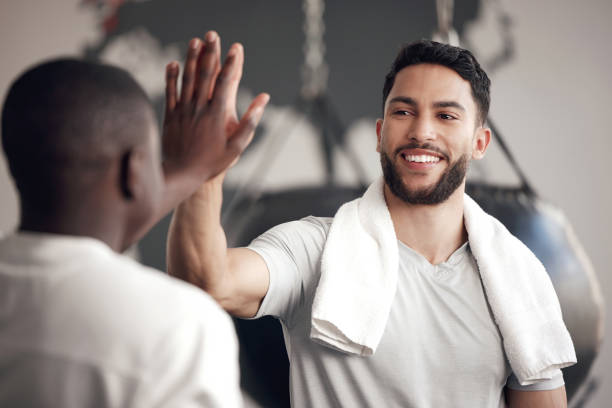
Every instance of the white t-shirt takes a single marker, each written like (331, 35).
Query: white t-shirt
(441, 346)
(81, 326)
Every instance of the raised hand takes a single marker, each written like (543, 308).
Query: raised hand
(202, 134)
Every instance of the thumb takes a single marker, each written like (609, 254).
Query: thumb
(243, 134)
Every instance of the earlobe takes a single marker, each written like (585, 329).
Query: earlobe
(379, 123)
(481, 142)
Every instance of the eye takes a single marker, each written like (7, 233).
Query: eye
(446, 116)
(401, 112)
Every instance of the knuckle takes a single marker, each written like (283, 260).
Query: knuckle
(206, 72)
(223, 77)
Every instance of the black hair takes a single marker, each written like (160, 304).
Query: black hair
(66, 118)
(458, 59)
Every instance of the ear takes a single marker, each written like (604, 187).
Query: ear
(130, 174)
(379, 124)
(482, 138)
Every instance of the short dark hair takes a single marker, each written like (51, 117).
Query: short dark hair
(67, 117)
(458, 59)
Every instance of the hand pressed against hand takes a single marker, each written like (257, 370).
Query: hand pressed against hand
(202, 133)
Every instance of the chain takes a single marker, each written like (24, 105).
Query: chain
(446, 32)
(314, 70)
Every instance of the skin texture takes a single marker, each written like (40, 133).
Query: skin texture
(536, 399)
(429, 111)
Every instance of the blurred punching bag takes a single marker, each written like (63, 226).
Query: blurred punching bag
(546, 231)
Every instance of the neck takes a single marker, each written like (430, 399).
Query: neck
(78, 220)
(434, 231)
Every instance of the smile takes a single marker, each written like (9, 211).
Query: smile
(421, 158)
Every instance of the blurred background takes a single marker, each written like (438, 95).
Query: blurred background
(324, 64)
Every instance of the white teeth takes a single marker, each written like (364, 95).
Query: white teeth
(423, 158)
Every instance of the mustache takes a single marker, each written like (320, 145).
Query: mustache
(426, 146)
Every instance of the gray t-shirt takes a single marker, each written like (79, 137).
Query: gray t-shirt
(441, 346)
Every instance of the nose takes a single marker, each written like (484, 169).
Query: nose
(422, 129)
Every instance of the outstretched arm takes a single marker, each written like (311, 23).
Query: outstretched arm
(197, 252)
(202, 134)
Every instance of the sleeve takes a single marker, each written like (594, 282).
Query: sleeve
(292, 253)
(554, 382)
(196, 363)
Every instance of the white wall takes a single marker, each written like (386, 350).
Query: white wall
(553, 99)
(32, 30)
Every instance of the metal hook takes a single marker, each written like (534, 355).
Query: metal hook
(446, 33)
(314, 70)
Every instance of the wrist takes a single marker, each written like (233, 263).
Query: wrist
(211, 187)
(180, 181)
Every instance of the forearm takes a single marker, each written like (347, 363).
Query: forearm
(197, 247)
(536, 399)
(177, 188)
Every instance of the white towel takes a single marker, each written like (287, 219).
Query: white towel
(359, 270)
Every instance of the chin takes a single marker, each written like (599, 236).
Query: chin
(420, 188)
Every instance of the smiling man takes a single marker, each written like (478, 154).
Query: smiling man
(411, 296)
(438, 95)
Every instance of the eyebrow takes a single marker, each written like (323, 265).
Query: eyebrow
(441, 104)
(404, 99)
(449, 104)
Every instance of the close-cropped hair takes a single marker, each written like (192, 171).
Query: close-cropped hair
(69, 115)
(458, 59)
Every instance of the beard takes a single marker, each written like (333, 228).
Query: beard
(449, 181)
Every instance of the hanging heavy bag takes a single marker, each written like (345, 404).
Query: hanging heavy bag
(546, 231)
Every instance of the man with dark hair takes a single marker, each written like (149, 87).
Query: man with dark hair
(81, 325)
(411, 296)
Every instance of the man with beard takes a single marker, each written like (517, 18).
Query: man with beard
(411, 296)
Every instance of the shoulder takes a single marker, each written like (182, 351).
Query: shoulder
(292, 252)
(172, 335)
(104, 310)
(310, 224)
(133, 303)
(162, 293)
(309, 229)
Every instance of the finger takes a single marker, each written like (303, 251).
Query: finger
(189, 72)
(226, 86)
(217, 68)
(243, 134)
(208, 68)
(232, 91)
(172, 70)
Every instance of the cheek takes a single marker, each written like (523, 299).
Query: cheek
(378, 135)
(384, 138)
(155, 184)
(466, 143)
